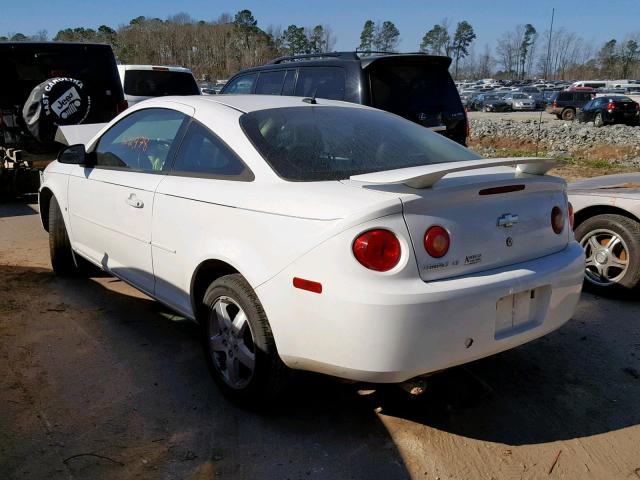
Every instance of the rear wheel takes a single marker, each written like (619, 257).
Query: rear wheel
(558, 116)
(568, 114)
(239, 346)
(59, 245)
(598, 120)
(612, 249)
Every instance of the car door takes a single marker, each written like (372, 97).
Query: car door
(190, 211)
(586, 113)
(111, 203)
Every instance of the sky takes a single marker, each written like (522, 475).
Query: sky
(595, 21)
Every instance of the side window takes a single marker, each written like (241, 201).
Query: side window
(140, 141)
(289, 82)
(203, 154)
(270, 83)
(588, 105)
(242, 84)
(564, 97)
(324, 82)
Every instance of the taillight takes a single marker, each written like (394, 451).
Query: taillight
(122, 106)
(436, 241)
(611, 106)
(571, 216)
(554, 104)
(557, 219)
(377, 250)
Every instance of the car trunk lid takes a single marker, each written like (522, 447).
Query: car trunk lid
(495, 216)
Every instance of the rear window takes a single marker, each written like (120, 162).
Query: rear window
(318, 143)
(159, 83)
(413, 90)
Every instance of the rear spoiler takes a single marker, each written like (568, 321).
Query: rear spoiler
(425, 176)
(74, 134)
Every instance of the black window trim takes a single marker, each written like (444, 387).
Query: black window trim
(247, 174)
(248, 74)
(177, 141)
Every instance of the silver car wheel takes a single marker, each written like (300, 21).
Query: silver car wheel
(607, 257)
(231, 343)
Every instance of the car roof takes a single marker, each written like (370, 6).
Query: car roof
(252, 103)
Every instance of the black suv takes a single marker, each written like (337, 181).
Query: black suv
(44, 85)
(565, 104)
(415, 86)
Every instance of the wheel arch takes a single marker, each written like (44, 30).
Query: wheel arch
(205, 273)
(593, 210)
(44, 200)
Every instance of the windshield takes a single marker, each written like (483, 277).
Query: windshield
(318, 143)
(159, 83)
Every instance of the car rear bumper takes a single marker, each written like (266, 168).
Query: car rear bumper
(414, 327)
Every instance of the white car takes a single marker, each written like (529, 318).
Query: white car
(316, 235)
(141, 82)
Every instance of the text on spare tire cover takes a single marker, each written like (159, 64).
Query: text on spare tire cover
(66, 103)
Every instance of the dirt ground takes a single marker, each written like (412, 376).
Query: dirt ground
(99, 382)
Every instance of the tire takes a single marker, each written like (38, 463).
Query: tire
(59, 246)
(598, 121)
(568, 114)
(558, 116)
(223, 343)
(487, 109)
(595, 234)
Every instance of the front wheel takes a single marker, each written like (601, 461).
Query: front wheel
(239, 346)
(568, 114)
(59, 246)
(612, 248)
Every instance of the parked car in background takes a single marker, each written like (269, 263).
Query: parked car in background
(417, 87)
(520, 101)
(565, 104)
(610, 110)
(44, 85)
(317, 235)
(607, 225)
(141, 82)
(490, 102)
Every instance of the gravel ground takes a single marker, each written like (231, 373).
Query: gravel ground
(99, 382)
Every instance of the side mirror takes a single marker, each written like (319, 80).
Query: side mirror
(74, 154)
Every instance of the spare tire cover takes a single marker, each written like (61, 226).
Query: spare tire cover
(56, 101)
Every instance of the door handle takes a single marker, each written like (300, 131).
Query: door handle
(134, 201)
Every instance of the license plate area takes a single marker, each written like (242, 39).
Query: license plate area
(521, 311)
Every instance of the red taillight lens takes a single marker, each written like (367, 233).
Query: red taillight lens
(122, 106)
(557, 220)
(377, 250)
(611, 106)
(571, 216)
(436, 241)
(554, 104)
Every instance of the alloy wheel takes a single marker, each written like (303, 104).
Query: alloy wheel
(231, 342)
(607, 257)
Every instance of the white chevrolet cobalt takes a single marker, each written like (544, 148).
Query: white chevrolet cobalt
(317, 235)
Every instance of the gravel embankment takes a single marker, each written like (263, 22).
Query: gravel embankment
(618, 144)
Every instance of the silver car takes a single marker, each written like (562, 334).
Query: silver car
(520, 101)
(607, 225)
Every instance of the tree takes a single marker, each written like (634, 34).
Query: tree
(628, 56)
(528, 40)
(462, 39)
(294, 40)
(386, 37)
(319, 39)
(19, 37)
(367, 36)
(244, 18)
(436, 41)
(608, 57)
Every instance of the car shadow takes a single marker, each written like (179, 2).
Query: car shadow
(135, 384)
